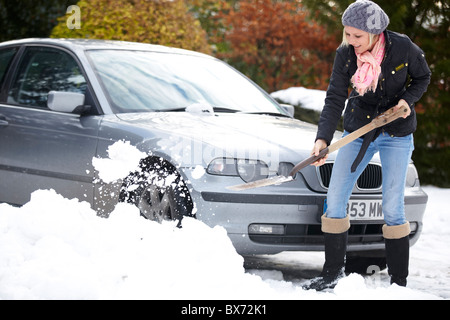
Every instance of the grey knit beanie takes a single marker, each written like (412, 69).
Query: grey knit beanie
(365, 15)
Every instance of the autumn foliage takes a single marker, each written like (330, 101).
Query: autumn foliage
(272, 42)
(276, 45)
(157, 21)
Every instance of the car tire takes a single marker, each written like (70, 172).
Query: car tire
(158, 190)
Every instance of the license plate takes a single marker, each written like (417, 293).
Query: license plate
(362, 209)
(365, 210)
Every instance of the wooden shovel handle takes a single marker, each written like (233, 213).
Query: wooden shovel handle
(386, 117)
(299, 166)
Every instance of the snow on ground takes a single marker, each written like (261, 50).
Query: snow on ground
(58, 248)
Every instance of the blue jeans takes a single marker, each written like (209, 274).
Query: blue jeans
(395, 155)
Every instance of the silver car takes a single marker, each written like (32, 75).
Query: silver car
(203, 126)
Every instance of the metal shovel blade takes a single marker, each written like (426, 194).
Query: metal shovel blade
(261, 183)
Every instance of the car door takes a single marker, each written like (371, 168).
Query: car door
(41, 148)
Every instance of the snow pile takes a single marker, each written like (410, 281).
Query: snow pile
(307, 98)
(56, 248)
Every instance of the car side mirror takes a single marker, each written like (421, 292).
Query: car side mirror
(290, 109)
(68, 102)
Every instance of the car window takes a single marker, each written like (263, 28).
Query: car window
(42, 70)
(140, 81)
(6, 56)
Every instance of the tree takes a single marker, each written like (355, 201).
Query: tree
(210, 14)
(275, 44)
(158, 21)
(29, 18)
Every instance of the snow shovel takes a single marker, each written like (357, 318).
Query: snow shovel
(381, 120)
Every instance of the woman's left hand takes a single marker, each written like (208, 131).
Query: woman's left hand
(401, 103)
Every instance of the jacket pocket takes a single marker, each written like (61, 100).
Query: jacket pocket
(399, 73)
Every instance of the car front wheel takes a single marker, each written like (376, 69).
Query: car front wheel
(157, 204)
(158, 190)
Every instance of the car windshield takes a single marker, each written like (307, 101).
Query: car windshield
(142, 81)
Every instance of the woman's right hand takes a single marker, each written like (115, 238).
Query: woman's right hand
(319, 145)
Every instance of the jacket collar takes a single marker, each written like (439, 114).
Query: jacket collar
(388, 40)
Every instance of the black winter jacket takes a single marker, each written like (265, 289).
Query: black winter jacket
(404, 75)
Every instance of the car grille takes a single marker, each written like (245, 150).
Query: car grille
(311, 234)
(371, 178)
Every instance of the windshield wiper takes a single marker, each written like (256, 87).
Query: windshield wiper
(275, 114)
(224, 109)
(215, 109)
(228, 110)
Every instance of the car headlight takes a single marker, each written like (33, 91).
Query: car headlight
(412, 177)
(248, 170)
(251, 170)
(222, 167)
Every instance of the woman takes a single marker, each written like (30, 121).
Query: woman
(385, 69)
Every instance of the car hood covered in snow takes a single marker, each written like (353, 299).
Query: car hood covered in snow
(197, 138)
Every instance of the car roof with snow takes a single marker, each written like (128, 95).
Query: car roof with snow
(97, 44)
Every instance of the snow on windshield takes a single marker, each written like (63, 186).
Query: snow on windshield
(140, 81)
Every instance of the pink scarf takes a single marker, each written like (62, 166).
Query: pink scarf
(369, 69)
